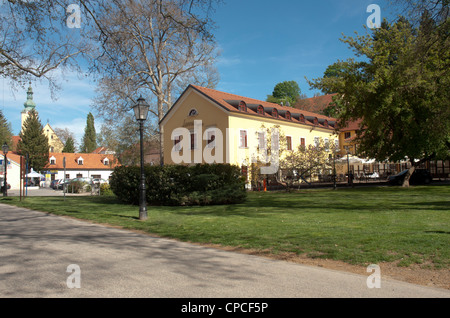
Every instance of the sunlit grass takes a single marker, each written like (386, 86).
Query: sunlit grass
(358, 226)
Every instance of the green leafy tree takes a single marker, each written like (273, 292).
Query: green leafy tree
(399, 89)
(333, 70)
(34, 142)
(286, 92)
(69, 146)
(5, 131)
(89, 142)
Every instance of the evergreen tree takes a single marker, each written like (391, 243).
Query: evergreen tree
(5, 131)
(33, 142)
(69, 146)
(89, 142)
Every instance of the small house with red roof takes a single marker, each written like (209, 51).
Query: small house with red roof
(80, 165)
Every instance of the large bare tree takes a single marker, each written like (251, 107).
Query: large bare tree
(152, 48)
(35, 40)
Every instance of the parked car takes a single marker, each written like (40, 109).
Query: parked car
(100, 180)
(419, 176)
(84, 180)
(54, 183)
(60, 185)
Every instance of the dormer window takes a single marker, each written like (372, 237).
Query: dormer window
(288, 116)
(275, 113)
(316, 121)
(52, 160)
(260, 110)
(242, 106)
(80, 161)
(106, 161)
(325, 123)
(302, 118)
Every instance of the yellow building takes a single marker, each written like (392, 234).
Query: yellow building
(348, 138)
(55, 144)
(209, 126)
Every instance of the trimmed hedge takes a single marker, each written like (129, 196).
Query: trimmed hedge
(201, 184)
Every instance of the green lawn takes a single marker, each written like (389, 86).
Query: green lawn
(358, 226)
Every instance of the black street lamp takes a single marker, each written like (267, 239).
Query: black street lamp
(350, 176)
(5, 149)
(141, 112)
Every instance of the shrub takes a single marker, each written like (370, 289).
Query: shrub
(76, 187)
(105, 189)
(180, 185)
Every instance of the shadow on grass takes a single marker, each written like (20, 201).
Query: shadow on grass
(265, 204)
(437, 232)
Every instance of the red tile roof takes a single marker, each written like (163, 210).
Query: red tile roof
(12, 156)
(315, 104)
(352, 125)
(15, 140)
(91, 161)
(230, 102)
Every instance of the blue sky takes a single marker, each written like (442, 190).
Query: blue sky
(262, 43)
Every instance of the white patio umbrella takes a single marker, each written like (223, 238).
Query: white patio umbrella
(34, 174)
(351, 159)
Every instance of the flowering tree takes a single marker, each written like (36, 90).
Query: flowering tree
(306, 161)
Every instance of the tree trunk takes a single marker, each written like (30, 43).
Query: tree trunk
(408, 175)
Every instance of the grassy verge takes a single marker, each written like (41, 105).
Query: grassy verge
(358, 226)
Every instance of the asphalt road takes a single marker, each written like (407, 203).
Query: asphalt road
(36, 250)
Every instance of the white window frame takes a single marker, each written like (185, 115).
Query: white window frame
(245, 139)
(316, 141)
(211, 144)
(262, 140)
(336, 145)
(193, 134)
(177, 145)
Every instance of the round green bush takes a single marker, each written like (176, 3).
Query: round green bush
(180, 185)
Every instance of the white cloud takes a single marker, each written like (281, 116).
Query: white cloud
(70, 106)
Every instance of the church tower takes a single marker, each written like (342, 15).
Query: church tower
(28, 105)
(55, 144)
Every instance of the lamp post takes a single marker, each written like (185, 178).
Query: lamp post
(348, 165)
(5, 149)
(141, 112)
(334, 168)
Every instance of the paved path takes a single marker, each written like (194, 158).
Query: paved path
(36, 249)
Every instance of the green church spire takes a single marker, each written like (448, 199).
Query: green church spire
(29, 104)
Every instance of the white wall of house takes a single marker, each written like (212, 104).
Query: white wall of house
(12, 174)
(105, 174)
